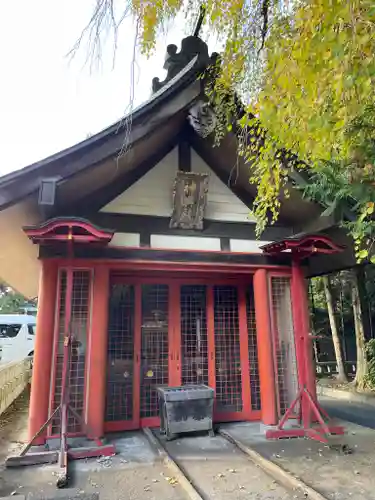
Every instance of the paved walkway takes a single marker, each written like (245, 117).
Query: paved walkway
(333, 474)
(220, 471)
(357, 413)
(214, 464)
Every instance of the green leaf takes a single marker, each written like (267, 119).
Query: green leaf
(362, 254)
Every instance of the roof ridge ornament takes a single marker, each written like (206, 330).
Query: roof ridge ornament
(175, 62)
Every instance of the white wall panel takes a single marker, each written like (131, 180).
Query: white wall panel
(184, 242)
(251, 246)
(125, 240)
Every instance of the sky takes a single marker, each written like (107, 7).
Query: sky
(49, 101)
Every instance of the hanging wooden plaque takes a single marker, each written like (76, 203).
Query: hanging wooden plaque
(189, 200)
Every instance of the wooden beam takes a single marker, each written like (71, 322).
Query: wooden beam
(147, 224)
(321, 223)
(177, 256)
(225, 244)
(184, 156)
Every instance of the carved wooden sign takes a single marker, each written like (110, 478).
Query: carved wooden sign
(189, 200)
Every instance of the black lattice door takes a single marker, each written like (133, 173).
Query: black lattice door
(156, 349)
(74, 308)
(122, 358)
(228, 368)
(194, 335)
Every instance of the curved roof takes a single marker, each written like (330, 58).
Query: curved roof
(148, 129)
(57, 165)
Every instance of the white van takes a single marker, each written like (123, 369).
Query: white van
(17, 336)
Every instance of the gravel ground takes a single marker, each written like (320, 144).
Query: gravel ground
(134, 474)
(13, 426)
(148, 482)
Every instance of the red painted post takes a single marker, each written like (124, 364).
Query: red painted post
(309, 361)
(211, 338)
(244, 351)
(265, 352)
(302, 330)
(97, 362)
(43, 350)
(297, 325)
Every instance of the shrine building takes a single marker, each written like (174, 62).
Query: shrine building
(140, 241)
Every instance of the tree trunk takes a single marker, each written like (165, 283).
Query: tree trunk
(362, 368)
(335, 336)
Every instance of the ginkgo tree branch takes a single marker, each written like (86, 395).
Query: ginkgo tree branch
(304, 69)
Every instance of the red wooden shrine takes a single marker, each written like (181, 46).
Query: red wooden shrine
(148, 257)
(214, 325)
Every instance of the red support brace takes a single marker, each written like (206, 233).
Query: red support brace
(40, 384)
(310, 411)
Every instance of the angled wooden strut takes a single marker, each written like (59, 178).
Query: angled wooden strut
(64, 231)
(310, 411)
(63, 410)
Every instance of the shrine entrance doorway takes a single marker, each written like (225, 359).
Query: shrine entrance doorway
(175, 332)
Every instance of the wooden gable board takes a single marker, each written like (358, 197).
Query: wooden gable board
(153, 193)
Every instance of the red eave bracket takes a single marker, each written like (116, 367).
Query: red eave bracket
(68, 229)
(305, 246)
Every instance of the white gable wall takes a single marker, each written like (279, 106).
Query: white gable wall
(222, 204)
(152, 194)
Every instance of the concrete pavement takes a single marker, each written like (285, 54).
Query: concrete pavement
(357, 413)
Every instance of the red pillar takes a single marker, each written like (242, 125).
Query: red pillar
(43, 350)
(301, 328)
(97, 363)
(265, 349)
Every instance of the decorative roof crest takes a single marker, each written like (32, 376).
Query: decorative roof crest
(191, 47)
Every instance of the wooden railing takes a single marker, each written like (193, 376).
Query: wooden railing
(14, 377)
